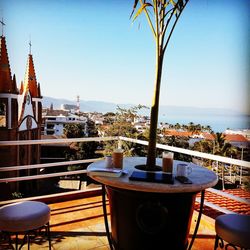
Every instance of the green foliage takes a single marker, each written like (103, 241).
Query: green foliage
(218, 147)
(74, 130)
(91, 129)
(74, 167)
(81, 150)
(122, 126)
(205, 146)
(138, 149)
(109, 118)
(223, 148)
(246, 183)
(191, 127)
(17, 195)
(180, 142)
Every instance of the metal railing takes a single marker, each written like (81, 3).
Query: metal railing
(48, 165)
(218, 158)
(225, 160)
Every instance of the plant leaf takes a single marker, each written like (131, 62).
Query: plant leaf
(172, 2)
(135, 4)
(166, 4)
(145, 5)
(134, 7)
(180, 4)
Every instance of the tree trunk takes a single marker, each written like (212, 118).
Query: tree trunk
(154, 114)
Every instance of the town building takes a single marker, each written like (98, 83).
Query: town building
(20, 119)
(54, 125)
(69, 107)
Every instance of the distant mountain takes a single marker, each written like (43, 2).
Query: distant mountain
(104, 107)
(85, 106)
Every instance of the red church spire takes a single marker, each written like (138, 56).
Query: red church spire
(39, 90)
(30, 78)
(14, 86)
(21, 88)
(6, 82)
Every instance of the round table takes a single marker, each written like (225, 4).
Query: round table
(146, 215)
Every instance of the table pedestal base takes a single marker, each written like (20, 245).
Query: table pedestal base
(141, 220)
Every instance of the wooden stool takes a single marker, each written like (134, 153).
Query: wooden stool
(234, 229)
(24, 217)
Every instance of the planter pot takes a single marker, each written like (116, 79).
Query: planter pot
(148, 215)
(141, 220)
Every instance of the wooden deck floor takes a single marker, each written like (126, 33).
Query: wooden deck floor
(79, 225)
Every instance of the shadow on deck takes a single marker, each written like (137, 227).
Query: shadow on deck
(79, 225)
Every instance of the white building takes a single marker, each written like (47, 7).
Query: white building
(53, 125)
(69, 107)
(97, 118)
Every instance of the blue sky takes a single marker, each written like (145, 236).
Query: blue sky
(92, 49)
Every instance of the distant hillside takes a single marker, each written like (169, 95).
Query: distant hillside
(85, 106)
(104, 107)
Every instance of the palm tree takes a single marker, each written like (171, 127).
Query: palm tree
(208, 128)
(165, 15)
(224, 149)
(177, 126)
(205, 146)
(194, 128)
(219, 142)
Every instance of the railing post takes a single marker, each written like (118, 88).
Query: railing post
(230, 172)
(119, 143)
(240, 175)
(223, 176)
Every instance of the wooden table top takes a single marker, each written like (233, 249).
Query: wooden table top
(201, 177)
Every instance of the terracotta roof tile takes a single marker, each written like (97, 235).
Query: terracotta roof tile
(239, 192)
(238, 138)
(208, 136)
(227, 203)
(171, 132)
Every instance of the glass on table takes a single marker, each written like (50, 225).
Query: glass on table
(167, 162)
(117, 158)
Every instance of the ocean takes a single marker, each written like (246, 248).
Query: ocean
(218, 123)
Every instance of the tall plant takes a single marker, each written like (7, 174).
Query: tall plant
(162, 17)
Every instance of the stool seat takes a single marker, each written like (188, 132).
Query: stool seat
(24, 216)
(234, 228)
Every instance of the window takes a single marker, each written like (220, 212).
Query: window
(50, 126)
(2, 114)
